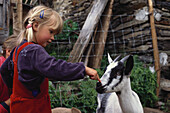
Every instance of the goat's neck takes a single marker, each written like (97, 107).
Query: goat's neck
(128, 99)
(126, 90)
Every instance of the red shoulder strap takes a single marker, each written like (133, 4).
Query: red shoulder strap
(15, 58)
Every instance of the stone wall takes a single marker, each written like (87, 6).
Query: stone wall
(76, 10)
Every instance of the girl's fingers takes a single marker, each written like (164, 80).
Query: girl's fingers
(98, 79)
(95, 78)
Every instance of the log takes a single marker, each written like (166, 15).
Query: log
(17, 16)
(5, 17)
(163, 22)
(151, 110)
(167, 52)
(164, 33)
(90, 49)
(164, 38)
(132, 31)
(135, 34)
(87, 30)
(162, 26)
(155, 45)
(65, 110)
(163, 4)
(101, 37)
(129, 24)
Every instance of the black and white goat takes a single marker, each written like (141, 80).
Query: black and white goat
(114, 92)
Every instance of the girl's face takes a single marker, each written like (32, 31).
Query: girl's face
(44, 35)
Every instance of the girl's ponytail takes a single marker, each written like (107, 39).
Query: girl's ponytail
(29, 30)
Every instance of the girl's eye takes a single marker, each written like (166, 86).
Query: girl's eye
(51, 31)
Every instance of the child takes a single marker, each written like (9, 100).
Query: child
(8, 45)
(33, 65)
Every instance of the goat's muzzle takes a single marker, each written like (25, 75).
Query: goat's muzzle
(99, 88)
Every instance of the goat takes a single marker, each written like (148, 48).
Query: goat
(65, 110)
(114, 91)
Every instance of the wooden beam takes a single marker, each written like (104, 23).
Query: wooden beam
(155, 46)
(20, 12)
(4, 20)
(100, 40)
(17, 11)
(87, 58)
(87, 30)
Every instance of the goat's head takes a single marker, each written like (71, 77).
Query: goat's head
(116, 74)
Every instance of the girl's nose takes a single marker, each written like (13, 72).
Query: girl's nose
(52, 37)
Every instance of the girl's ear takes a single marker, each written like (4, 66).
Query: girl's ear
(35, 26)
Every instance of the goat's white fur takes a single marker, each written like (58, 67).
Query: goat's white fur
(126, 102)
(112, 101)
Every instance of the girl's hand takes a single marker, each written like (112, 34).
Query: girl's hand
(92, 73)
(8, 102)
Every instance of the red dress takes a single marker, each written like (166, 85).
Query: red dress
(4, 92)
(22, 99)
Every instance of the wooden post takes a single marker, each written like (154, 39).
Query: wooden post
(8, 16)
(155, 46)
(100, 40)
(20, 12)
(17, 15)
(4, 20)
(86, 60)
(87, 30)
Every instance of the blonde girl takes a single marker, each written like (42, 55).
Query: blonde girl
(33, 66)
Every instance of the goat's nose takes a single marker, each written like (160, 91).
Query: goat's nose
(99, 88)
(98, 84)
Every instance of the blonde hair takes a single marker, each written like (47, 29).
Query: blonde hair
(50, 17)
(9, 43)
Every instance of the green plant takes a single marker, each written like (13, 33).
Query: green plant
(79, 94)
(165, 106)
(144, 83)
(69, 30)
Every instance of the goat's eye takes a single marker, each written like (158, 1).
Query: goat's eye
(118, 73)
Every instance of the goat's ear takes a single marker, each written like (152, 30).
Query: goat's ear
(109, 58)
(129, 65)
